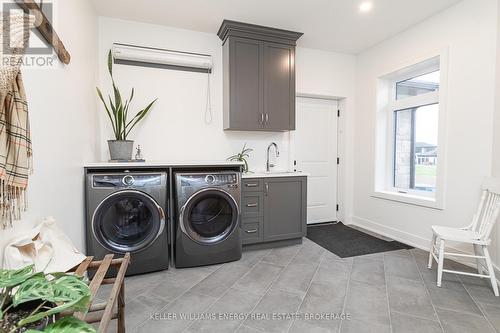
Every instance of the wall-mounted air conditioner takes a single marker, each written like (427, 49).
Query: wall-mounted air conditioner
(159, 58)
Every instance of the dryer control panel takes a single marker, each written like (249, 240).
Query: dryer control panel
(217, 179)
(126, 180)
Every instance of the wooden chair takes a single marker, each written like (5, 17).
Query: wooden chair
(103, 313)
(477, 233)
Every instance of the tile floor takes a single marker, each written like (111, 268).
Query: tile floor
(387, 292)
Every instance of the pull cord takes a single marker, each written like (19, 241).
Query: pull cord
(208, 110)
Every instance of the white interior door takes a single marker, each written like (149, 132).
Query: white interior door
(315, 151)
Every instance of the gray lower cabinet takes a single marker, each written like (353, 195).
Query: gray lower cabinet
(273, 209)
(251, 229)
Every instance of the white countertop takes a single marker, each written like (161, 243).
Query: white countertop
(166, 164)
(160, 164)
(275, 174)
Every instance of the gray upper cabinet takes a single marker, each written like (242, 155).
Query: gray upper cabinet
(259, 77)
(279, 87)
(244, 83)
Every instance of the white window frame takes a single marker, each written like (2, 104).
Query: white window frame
(387, 104)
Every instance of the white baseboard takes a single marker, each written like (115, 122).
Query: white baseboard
(398, 235)
(410, 239)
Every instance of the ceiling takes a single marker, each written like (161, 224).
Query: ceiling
(334, 25)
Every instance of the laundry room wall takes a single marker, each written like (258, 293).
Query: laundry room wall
(176, 128)
(496, 138)
(62, 108)
(468, 32)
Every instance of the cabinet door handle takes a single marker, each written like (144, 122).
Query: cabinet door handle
(267, 117)
(252, 205)
(253, 231)
(267, 189)
(251, 184)
(262, 119)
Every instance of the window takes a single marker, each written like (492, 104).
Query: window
(409, 134)
(419, 85)
(415, 148)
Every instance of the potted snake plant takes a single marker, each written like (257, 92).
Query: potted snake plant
(117, 110)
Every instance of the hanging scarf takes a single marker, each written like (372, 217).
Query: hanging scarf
(15, 142)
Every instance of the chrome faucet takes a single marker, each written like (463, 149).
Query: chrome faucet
(269, 165)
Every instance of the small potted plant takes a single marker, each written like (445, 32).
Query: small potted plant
(242, 157)
(29, 301)
(117, 111)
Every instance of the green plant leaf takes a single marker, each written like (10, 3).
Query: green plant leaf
(74, 305)
(36, 287)
(118, 96)
(110, 63)
(116, 125)
(119, 120)
(99, 93)
(132, 95)
(67, 325)
(69, 288)
(58, 275)
(112, 106)
(69, 292)
(119, 107)
(12, 278)
(128, 103)
(138, 117)
(140, 114)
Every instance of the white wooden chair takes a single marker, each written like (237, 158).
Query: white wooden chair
(477, 234)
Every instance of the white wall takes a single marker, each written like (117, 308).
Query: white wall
(176, 129)
(332, 74)
(62, 108)
(496, 134)
(469, 31)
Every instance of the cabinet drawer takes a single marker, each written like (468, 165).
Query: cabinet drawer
(252, 185)
(251, 230)
(252, 204)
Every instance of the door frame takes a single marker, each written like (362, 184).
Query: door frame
(341, 146)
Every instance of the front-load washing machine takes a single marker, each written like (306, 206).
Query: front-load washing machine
(207, 228)
(126, 213)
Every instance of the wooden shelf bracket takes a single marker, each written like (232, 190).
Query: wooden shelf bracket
(45, 27)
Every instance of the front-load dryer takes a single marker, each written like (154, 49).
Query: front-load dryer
(207, 228)
(126, 213)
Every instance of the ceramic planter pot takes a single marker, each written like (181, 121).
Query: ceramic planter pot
(121, 149)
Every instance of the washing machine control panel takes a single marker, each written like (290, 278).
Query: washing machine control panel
(126, 180)
(216, 179)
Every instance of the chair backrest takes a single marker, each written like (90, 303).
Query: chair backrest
(489, 208)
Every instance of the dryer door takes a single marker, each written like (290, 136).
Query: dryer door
(128, 221)
(209, 216)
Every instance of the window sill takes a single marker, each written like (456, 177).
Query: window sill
(410, 199)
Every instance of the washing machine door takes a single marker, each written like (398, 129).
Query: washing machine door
(128, 221)
(209, 216)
